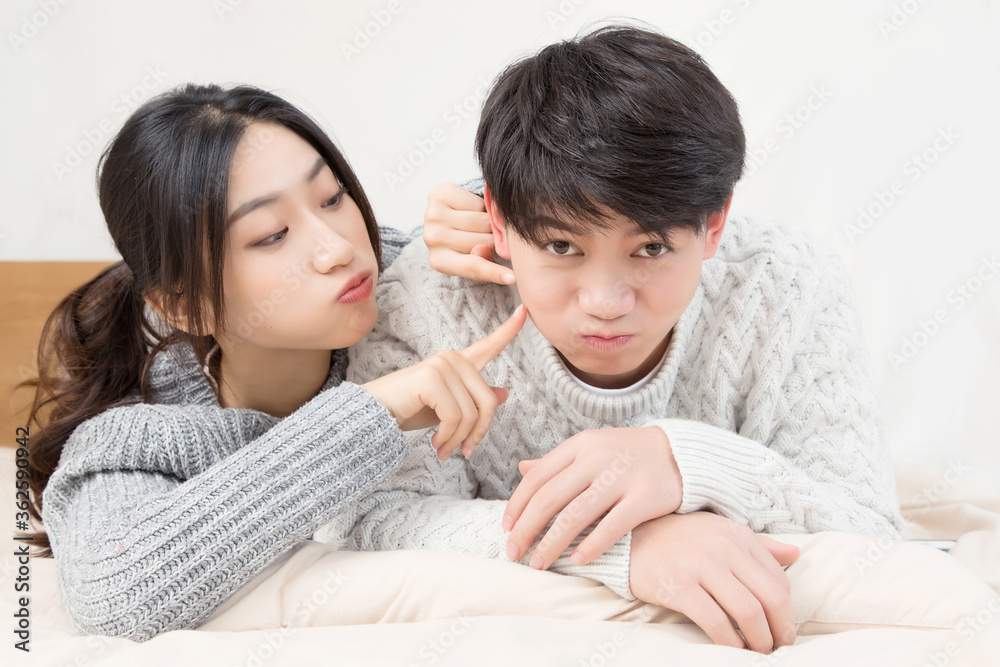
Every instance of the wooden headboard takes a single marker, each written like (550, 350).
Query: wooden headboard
(30, 291)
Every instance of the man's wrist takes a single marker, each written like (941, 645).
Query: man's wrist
(674, 482)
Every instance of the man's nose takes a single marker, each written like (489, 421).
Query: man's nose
(607, 297)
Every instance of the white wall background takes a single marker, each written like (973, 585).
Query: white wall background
(840, 101)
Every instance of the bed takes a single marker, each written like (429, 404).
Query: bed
(857, 601)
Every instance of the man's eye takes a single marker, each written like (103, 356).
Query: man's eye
(271, 240)
(561, 248)
(652, 250)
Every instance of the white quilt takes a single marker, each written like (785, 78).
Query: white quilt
(857, 601)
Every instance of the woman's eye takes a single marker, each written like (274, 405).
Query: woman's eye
(271, 240)
(652, 250)
(561, 248)
(335, 200)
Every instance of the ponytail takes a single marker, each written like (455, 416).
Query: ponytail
(94, 354)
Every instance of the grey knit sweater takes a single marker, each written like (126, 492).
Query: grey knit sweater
(159, 512)
(766, 395)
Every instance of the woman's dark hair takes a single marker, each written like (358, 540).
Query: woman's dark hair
(163, 184)
(619, 121)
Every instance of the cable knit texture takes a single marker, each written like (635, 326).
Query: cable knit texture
(766, 396)
(159, 512)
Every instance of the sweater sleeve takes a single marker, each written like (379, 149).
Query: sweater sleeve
(393, 242)
(476, 186)
(810, 454)
(144, 546)
(432, 504)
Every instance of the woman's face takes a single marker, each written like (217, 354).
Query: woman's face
(299, 270)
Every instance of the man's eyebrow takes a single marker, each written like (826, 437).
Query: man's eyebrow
(259, 202)
(547, 228)
(550, 224)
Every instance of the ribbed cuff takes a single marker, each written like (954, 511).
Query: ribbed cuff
(610, 568)
(719, 469)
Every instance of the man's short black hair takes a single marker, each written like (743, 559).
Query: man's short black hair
(619, 121)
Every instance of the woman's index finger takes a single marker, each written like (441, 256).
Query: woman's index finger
(484, 350)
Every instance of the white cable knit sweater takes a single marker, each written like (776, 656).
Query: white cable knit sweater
(766, 396)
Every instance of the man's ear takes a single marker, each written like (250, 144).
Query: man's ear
(177, 318)
(497, 225)
(713, 232)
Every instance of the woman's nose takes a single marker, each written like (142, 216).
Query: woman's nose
(330, 251)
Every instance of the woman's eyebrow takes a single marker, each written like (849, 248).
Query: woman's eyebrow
(259, 202)
(316, 168)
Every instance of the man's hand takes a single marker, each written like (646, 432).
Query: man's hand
(458, 237)
(628, 473)
(447, 389)
(711, 568)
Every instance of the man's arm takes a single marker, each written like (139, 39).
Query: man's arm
(810, 454)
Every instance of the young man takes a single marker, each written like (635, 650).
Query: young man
(688, 384)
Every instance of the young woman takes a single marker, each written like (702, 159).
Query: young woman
(193, 423)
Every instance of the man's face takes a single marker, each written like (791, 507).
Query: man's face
(607, 299)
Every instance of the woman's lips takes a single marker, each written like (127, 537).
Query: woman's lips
(357, 289)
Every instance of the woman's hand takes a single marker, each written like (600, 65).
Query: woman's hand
(711, 569)
(458, 236)
(448, 390)
(625, 475)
